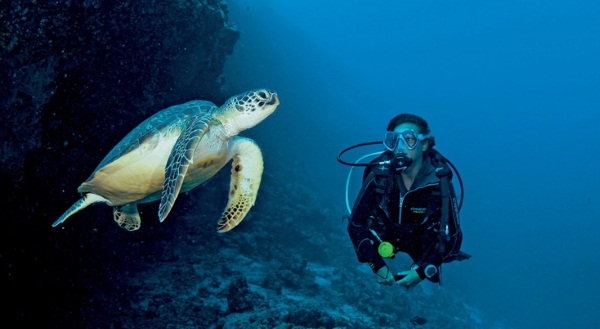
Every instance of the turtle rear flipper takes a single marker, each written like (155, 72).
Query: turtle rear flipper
(85, 201)
(127, 216)
(246, 174)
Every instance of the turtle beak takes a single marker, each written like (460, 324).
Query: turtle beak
(274, 100)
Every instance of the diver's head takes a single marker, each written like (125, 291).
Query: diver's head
(408, 134)
(418, 122)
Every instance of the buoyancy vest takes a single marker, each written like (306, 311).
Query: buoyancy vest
(384, 178)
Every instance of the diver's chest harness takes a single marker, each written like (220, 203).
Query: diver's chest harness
(388, 232)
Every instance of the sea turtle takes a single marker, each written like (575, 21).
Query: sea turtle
(177, 149)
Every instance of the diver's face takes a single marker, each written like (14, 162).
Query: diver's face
(419, 146)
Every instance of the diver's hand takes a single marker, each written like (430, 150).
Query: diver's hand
(410, 280)
(385, 276)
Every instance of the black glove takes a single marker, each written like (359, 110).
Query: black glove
(401, 161)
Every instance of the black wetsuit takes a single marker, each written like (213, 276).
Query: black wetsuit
(414, 230)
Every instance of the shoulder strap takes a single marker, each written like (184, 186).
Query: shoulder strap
(444, 173)
(382, 175)
(449, 201)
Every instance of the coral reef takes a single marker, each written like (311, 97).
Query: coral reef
(240, 298)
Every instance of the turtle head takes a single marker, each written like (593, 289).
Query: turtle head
(246, 110)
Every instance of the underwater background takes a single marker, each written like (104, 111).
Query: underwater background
(509, 88)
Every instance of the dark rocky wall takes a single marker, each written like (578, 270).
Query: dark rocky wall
(76, 77)
(79, 73)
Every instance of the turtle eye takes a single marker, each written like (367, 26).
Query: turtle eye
(262, 94)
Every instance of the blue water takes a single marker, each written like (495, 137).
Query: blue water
(510, 89)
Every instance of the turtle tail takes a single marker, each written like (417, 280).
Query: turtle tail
(85, 201)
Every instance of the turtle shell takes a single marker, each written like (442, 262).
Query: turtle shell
(169, 118)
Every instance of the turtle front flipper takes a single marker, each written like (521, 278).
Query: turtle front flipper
(85, 201)
(127, 216)
(179, 161)
(246, 173)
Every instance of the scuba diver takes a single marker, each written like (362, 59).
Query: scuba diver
(407, 204)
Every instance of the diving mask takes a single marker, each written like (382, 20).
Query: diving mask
(406, 139)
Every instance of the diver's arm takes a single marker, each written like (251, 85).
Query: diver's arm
(427, 268)
(358, 226)
(432, 259)
(442, 245)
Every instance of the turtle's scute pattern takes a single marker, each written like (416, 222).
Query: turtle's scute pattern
(231, 217)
